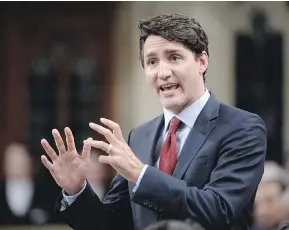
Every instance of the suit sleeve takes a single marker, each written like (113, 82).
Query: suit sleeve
(87, 212)
(232, 183)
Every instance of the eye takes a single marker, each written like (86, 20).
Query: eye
(175, 57)
(152, 61)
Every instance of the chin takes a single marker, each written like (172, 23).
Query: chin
(174, 106)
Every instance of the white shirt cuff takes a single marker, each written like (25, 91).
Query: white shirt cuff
(140, 178)
(71, 199)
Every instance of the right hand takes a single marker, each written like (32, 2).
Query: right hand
(68, 168)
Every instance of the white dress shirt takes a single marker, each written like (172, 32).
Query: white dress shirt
(188, 117)
(19, 195)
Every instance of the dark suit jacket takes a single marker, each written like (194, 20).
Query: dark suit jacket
(214, 182)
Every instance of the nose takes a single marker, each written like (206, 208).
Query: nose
(164, 71)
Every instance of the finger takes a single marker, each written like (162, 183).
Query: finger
(69, 139)
(105, 132)
(49, 150)
(59, 142)
(105, 159)
(115, 127)
(104, 147)
(86, 149)
(47, 163)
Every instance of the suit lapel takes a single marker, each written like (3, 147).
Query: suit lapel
(148, 146)
(203, 126)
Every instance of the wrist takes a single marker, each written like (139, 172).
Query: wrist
(137, 173)
(76, 190)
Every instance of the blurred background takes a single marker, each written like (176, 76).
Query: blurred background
(69, 63)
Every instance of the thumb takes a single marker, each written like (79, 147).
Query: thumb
(86, 149)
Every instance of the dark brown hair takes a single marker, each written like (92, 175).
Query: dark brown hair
(175, 27)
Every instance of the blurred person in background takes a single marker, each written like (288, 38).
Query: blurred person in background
(99, 175)
(175, 225)
(271, 208)
(285, 201)
(19, 201)
(200, 159)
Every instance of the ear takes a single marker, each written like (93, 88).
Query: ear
(204, 61)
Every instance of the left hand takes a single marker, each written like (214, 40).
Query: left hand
(120, 156)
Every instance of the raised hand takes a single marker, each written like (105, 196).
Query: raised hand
(68, 168)
(120, 156)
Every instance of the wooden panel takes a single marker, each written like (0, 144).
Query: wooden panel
(28, 30)
(31, 27)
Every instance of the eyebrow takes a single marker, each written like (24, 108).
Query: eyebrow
(167, 51)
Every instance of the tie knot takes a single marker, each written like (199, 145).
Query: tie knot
(174, 124)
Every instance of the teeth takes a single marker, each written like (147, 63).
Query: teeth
(169, 86)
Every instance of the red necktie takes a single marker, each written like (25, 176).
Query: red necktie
(168, 156)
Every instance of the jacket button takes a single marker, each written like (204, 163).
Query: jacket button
(160, 209)
(146, 202)
(151, 204)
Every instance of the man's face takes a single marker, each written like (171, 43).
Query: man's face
(267, 202)
(17, 163)
(173, 72)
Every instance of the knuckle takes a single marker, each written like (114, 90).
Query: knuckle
(122, 145)
(52, 170)
(101, 145)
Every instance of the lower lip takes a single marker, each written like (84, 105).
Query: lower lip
(168, 93)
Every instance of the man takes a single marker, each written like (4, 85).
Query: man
(99, 175)
(271, 208)
(20, 199)
(199, 160)
(174, 225)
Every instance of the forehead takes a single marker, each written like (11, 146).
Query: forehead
(271, 188)
(158, 44)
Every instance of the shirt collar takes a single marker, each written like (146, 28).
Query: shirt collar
(189, 115)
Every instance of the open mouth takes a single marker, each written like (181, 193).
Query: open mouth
(170, 86)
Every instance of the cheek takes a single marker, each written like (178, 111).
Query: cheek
(184, 76)
(188, 75)
(151, 78)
